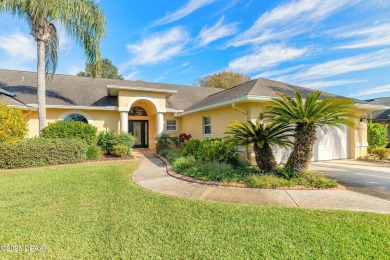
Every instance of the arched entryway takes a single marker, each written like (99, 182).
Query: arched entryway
(142, 117)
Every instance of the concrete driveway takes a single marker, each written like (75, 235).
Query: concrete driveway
(364, 177)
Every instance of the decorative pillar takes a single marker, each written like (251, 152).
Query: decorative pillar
(124, 123)
(159, 123)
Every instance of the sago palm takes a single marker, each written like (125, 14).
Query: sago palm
(263, 136)
(83, 21)
(307, 115)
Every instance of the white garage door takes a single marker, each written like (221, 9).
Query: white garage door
(331, 145)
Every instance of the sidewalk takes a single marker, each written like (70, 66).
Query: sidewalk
(151, 174)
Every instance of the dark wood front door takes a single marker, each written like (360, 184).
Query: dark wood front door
(139, 129)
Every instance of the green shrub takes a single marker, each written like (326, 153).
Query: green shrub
(191, 147)
(106, 141)
(213, 171)
(94, 152)
(163, 142)
(164, 152)
(124, 139)
(382, 152)
(71, 129)
(218, 150)
(376, 135)
(13, 125)
(42, 151)
(307, 179)
(120, 150)
(172, 155)
(183, 163)
(316, 180)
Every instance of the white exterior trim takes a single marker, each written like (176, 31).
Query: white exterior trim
(116, 87)
(84, 114)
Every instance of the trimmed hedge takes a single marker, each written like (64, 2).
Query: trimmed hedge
(71, 129)
(41, 152)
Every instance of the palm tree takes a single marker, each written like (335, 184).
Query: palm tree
(307, 115)
(83, 20)
(262, 136)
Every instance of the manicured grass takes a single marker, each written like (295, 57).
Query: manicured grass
(95, 211)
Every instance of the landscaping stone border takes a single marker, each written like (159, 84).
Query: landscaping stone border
(232, 184)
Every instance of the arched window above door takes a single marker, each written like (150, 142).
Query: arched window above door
(137, 111)
(76, 117)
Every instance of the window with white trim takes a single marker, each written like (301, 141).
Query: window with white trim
(75, 117)
(206, 125)
(171, 125)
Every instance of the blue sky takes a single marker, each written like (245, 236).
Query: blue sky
(338, 46)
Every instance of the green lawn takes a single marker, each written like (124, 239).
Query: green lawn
(94, 210)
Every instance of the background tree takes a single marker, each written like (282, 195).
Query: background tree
(224, 79)
(109, 70)
(307, 115)
(13, 125)
(263, 136)
(83, 20)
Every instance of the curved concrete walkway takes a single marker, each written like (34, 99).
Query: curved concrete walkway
(151, 174)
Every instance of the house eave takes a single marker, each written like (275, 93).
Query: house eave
(113, 90)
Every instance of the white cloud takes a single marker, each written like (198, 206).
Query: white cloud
(217, 31)
(376, 90)
(131, 75)
(73, 70)
(288, 20)
(158, 47)
(191, 6)
(273, 73)
(341, 66)
(331, 83)
(265, 57)
(19, 47)
(371, 36)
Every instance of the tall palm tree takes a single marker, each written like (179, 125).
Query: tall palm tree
(307, 115)
(263, 136)
(83, 20)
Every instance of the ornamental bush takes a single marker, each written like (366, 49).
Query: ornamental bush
(217, 150)
(382, 152)
(163, 142)
(13, 125)
(120, 150)
(376, 135)
(41, 152)
(71, 129)
(94, 152)
(107, 141)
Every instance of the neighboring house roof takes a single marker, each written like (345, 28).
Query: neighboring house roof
(69, 90)
(380, 115)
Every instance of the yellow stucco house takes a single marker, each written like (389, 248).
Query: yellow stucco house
(148, 109)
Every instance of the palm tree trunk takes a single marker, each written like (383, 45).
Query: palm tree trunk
(41, 85)
(300, 157)
(265, 158)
